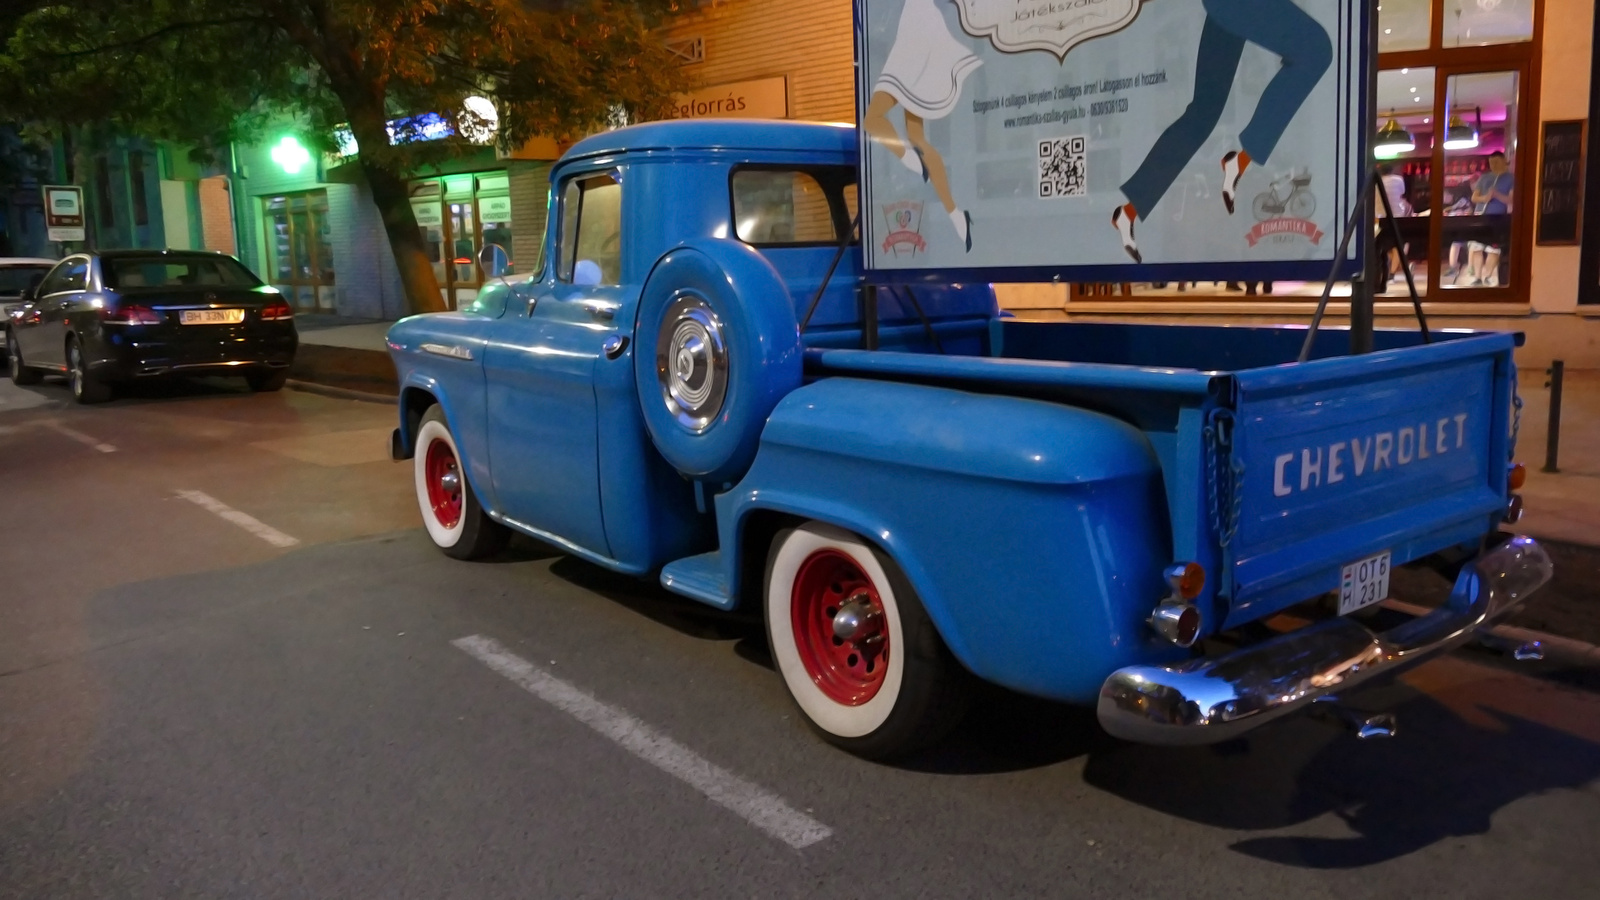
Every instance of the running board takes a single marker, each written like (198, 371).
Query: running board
(700, 578)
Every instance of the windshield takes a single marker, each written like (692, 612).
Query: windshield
(124, 272)
(14, 278)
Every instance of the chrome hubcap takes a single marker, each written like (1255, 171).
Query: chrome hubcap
(692, 363)
(859, 621)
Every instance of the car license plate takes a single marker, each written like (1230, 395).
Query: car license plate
(1365, 582)
(211, 316)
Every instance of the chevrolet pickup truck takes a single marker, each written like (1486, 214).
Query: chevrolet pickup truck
(695, 384)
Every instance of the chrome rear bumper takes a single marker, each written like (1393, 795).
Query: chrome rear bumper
(1214, 699)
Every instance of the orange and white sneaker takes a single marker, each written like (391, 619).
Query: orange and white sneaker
(1122, 220)
(1233, 166)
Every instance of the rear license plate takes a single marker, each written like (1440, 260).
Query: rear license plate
(1365, 582)
(211, 316)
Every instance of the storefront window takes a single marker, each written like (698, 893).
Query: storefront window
(1480, 186)
(1405, 151)
(300, 248)
(457, 215)
(1404, 25)
(1469, 23)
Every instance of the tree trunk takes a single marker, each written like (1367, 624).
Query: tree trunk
(390, 195)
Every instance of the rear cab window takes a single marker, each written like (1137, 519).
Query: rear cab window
(775, 206)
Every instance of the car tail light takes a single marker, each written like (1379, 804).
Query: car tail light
(1517, 475)
(131, 314)
(1187, 580)
(276, 311)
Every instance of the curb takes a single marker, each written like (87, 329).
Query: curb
(311, 387)
(1556, 647)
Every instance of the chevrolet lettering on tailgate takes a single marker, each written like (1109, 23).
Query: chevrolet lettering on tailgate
(1374, 452)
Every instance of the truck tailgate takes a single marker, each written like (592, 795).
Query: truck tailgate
(1402, 451)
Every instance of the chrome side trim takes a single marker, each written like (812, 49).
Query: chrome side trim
(1215, 699)
(453, 351)
(566, 546)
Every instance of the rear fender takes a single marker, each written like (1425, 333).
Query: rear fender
(1034, 533)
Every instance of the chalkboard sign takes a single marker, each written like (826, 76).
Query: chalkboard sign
(1561, 182)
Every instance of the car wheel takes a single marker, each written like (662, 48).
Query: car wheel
(267, 382)
(86, 387)
(856, 649)
(20, 373)
(450, 509)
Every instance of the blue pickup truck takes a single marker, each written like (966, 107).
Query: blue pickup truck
(695, 384)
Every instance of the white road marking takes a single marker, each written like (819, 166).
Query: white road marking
(80, 437)
(248, 522)
(758, 806)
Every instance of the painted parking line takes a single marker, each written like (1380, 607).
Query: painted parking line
(755, 804)
(80, 437)
(244, 520)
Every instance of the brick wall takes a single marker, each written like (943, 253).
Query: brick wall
(216, 215)
(530, 186)
(811, 43)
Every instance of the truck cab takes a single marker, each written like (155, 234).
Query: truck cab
(697, 385)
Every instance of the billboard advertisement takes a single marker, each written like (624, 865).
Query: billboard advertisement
(1110, 140)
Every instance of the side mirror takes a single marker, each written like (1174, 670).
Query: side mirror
(31, 292)
(494, 261)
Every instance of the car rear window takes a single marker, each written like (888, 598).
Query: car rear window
(14, 278)
(123, 272)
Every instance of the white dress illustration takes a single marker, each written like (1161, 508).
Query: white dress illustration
(927, 65)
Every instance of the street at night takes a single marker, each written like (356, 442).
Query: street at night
(195, 706)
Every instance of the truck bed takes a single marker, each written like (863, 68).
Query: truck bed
(1277, 473)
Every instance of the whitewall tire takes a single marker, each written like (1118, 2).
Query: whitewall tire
(855, 647)
(451, 513)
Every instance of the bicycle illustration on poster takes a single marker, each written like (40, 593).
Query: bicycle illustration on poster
(1065, 137)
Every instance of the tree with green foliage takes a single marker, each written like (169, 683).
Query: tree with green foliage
(204, 73)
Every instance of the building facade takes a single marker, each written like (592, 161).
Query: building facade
(1464, 80)
(307, 224)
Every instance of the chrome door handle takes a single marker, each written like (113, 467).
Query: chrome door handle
(614, 346)
(532, 302)
(600, 309)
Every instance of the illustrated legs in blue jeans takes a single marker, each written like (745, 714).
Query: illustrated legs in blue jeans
(1276, 25)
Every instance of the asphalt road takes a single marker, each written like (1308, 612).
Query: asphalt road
(231, 666)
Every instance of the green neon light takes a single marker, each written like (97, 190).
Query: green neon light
(290, 156)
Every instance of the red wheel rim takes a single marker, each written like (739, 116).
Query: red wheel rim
(443, 476)
(849, 671)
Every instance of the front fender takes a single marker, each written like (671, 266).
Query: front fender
(1034, 533)
(456, 384)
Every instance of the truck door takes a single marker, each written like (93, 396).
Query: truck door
(542, 410)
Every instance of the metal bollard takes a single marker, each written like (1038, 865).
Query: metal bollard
(1552, 444)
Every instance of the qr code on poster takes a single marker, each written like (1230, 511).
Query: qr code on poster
(1063, 168)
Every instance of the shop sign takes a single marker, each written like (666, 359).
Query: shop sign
(494, 209)
(429, 214)
(1112, 140)
(764, 98)
(63, 212)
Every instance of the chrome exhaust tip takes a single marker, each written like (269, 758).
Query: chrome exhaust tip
(1176, 620)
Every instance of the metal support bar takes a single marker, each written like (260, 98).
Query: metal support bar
(1552, 442)
(1405, 264)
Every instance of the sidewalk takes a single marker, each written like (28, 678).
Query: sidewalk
(1562, 506)
(344, 353)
